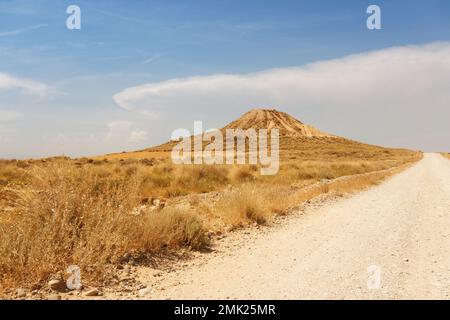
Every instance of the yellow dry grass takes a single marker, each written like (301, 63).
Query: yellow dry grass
(64, 215)
(251, 203)
(93, 212)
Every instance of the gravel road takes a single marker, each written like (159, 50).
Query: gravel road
(390, 242)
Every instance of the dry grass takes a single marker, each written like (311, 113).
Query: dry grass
(67, 215)
(239, 207)
(91, 212)
(251, 204)
(446, 155)
(299, 167)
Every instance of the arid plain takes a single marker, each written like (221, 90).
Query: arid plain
(122, 218)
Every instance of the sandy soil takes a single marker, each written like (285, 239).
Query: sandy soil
(401, 228)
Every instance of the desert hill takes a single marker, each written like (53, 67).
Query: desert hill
(297, 140)
(273, 119)
(291, 130)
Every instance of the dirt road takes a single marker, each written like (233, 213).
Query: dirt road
(400, 230)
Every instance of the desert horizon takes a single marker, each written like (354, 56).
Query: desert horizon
(158, 145)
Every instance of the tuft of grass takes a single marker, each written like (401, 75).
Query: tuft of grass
(173, 227)
(243, 206)
(241, 174)
(201, 178)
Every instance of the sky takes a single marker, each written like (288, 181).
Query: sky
(138, 70)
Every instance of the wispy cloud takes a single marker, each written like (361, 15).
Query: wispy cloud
(147, 59)
(112, 58)
(152, 58)
(22, 30)
(9, 82)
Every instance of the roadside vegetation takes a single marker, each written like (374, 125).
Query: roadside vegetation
(94, 213)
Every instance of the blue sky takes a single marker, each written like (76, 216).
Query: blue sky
(127, 44)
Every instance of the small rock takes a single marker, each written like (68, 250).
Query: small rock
(21, 293)
(406, 260)
(145, 292)
(55, 284)
(54, 297)
(91, 293)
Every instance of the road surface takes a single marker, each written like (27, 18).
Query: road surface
(390, 242)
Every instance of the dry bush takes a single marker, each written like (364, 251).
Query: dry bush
(243, 206)
(68, 215)
(168, 180)
(199, 178)
(172, 227)
(241, 174)
(12, 172)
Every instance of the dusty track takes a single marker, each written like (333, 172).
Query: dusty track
(402, 226)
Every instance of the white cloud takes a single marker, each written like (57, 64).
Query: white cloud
(9, 115)
(9, 82)
(138, 136)
(401, 89)
(395, 75)
(125, 132)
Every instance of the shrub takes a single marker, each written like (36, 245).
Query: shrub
(241, 174)
(244, 205)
